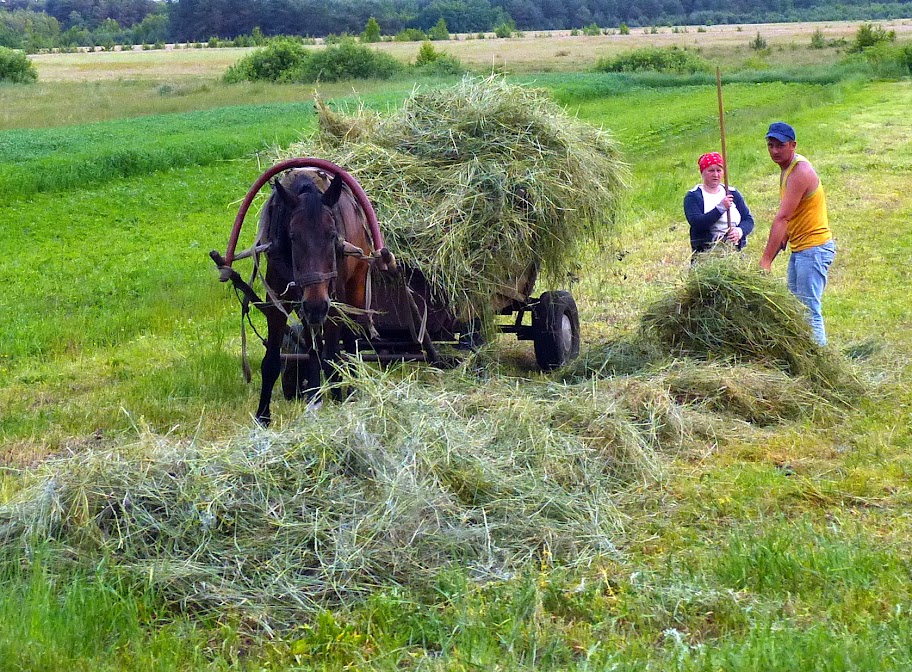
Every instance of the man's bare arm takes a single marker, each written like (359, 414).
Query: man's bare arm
(802, 181)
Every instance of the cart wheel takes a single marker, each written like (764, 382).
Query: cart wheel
(556, 330)
(294, 372)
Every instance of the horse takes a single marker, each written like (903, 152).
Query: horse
(317, 248)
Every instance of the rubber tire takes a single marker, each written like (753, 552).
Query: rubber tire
(294, 373)
(556, 330)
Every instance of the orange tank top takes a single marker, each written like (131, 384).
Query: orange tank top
(809, 225)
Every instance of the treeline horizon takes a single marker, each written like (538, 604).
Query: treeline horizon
(40, 24)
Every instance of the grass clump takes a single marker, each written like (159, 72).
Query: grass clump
(475, 183)
(723, 310)
(655, 59)
(388, 490)
(16, 67)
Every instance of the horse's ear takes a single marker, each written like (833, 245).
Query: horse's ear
(332, 193)
(288, 197)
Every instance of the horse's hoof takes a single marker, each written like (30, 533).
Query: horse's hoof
(314, 405)
(264, 420)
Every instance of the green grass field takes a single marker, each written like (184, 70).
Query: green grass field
(782, 548)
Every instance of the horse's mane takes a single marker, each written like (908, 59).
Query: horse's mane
(277, 214)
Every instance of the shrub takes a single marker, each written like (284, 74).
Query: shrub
(271, 63)
(332, 38)
(817, 40)
(758, 43)
(371, 31)
(432, 62)
(884, 60)
(439, 31)
(426, 54)
(410, 35)
(348, 60)
(905, 57)
(869, 35)
(655, 59)
(624, 29)
(503, 30)
(16, 67)
(592, 30)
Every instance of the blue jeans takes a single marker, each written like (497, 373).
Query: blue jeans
(807, 276)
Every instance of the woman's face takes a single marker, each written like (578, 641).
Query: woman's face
(712, 176)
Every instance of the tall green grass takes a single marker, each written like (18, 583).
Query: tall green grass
(60, 159)
(84, 621)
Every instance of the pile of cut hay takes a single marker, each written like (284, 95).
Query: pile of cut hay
(408, 479)
(473, 184)
(726, 310)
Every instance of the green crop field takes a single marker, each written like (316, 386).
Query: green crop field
(780, 545)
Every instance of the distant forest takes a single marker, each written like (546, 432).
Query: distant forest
(46, 23)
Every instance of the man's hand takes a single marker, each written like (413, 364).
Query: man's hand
(766, 265)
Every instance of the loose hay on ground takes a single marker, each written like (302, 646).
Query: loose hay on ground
(389, 489)
(725, 310)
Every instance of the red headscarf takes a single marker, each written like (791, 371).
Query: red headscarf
(709, 159)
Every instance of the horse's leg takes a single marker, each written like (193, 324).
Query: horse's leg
(312, 372)
(330, 359)
(272, 363)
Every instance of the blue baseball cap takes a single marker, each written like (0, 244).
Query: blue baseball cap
(781, 131)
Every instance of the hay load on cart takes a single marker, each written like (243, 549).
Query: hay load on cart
(481, 190)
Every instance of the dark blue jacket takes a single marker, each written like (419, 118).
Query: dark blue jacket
(701, 222)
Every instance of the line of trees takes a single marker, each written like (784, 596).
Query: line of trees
(36, 24)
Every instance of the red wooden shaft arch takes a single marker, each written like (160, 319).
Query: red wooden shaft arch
(303, 162)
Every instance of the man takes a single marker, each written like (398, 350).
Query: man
(801, 222)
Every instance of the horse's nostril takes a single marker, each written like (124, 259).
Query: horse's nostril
(315, 313)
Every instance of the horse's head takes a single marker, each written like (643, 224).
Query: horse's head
(312, 241)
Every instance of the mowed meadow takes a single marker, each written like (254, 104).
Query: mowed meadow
(780, 544)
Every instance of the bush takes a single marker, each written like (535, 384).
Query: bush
(758, 43)
(592, 30)
(271, 63)
(905, 57)
(504, 30)
(655, 59)
(432, 62)
(624, 29)
(439, 31)
(348, 60)
(371, 31)
(410, 35)
(16, 67)
(869, 35)
(817, 40)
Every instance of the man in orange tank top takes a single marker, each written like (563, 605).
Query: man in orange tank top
(802, 223)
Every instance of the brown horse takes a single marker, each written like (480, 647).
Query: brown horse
(317, 249)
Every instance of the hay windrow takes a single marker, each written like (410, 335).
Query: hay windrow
(389, 489)
(473, 184)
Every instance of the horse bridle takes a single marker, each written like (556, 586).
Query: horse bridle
(315, 278)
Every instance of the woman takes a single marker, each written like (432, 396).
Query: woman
(705, 207)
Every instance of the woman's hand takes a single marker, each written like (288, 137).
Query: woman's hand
(734, 235)
(726, 202)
